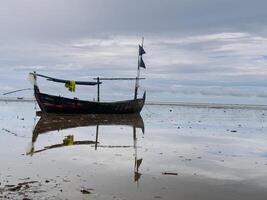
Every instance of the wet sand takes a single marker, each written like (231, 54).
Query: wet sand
(184, 153)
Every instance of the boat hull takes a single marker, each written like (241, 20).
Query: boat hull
(56, 104)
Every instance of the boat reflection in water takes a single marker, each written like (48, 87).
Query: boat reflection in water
(54, 122)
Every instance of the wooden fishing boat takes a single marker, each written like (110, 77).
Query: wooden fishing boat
(57, 104)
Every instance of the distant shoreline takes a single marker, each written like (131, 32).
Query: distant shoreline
(209, 105)
(185, 104)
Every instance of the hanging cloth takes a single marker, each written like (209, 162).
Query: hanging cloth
(68, 140)
(71, 86)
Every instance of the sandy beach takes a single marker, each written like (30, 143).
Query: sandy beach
(185, 152)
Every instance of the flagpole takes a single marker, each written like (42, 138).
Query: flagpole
(138, 73)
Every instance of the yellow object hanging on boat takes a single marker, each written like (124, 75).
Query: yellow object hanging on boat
(68, 140)
(71, 86)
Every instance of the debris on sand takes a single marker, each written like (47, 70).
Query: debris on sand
(86, 191)
(16, 188)
(170, 173)
(21, 189)
(23, 179)
(28, 182)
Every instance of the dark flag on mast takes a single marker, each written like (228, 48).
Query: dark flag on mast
(142, 64)
(141, 50)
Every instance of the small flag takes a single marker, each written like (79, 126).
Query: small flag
(141, 63)
(141, 51)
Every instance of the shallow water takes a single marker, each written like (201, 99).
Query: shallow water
(184, 153)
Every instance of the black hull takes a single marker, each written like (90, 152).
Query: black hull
(61, 105)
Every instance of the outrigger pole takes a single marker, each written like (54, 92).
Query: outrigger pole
(140, 64)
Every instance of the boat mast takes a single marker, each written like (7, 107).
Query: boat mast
(140, 53)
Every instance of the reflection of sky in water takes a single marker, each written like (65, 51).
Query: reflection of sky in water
(202, 145)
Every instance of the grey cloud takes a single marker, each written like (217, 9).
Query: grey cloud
(60, 19)
(211, 54)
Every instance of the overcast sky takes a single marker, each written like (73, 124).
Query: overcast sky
(202, 49)
(72, 19)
